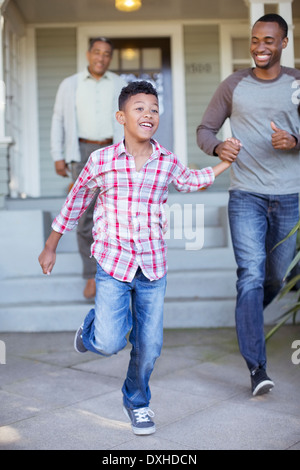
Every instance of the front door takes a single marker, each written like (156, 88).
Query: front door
(148, 59)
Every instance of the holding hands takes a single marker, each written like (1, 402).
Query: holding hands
(228, 150)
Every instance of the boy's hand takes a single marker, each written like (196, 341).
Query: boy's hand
(228, 150)
(47, 260)
(282, 140)
(48, 256)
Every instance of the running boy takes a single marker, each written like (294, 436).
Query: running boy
(133, 177)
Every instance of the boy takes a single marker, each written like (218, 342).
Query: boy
(133, 177)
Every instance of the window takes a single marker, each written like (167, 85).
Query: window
(148, 59)
(240, 53)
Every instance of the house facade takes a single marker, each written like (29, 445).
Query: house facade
(185, 47)
(43, 42)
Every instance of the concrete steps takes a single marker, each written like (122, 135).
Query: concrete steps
(195, 298)
(201, 276)
(192, 285)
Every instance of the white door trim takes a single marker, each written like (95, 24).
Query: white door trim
(30, 138)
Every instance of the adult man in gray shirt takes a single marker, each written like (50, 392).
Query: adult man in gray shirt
(84, 120)
(262, 104)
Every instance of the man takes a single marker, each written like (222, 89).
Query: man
(83, 121)
(262, 104)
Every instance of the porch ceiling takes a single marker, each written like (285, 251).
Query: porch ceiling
(74, 11)
(70, 11)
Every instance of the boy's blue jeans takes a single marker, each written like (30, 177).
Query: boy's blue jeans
(107, 325)
(258, 222)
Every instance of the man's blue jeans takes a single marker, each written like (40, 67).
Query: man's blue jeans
(257, 223)
(107, 325)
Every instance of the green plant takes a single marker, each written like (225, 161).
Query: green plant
(293, 282)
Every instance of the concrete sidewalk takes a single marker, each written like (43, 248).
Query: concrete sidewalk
(54, 398)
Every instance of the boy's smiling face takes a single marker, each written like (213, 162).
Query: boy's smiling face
(140, 116)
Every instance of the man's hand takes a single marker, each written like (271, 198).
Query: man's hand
(61, 168)
(282, 140)
(228, 150)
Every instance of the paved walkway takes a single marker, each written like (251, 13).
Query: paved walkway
(53, 398)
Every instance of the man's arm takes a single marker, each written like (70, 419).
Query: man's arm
(58, 134)
(217, 111)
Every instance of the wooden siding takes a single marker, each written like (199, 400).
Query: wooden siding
(56, 59)
(202, 76)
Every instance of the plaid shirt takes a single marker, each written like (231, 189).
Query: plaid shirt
(129, 216)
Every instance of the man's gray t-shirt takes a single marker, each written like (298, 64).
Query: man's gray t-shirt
(251, 104)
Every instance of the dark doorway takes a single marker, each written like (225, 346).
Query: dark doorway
(148, 59)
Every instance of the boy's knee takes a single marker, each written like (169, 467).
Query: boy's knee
(109, 348)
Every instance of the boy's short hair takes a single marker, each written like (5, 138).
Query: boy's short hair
(274, 18)
(134, 88)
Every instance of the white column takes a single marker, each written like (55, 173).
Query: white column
(285, 10)
(30, 124)
(2, 84)
(256, 10)
(3, 139)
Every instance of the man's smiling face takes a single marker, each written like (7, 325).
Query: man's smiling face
(267, 42)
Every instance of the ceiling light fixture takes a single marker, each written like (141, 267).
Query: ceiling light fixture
(128, 5)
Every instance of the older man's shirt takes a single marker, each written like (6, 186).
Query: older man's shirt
(96, 105)
(129, 215)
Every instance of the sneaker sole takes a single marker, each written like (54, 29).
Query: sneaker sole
(75, 343)
(139, 431)
(263, 387)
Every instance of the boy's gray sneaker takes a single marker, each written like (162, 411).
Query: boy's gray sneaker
(78, 343)
(260, 382)
(141, 421)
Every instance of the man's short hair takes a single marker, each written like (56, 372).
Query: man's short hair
(274, 18)
(100, 39)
